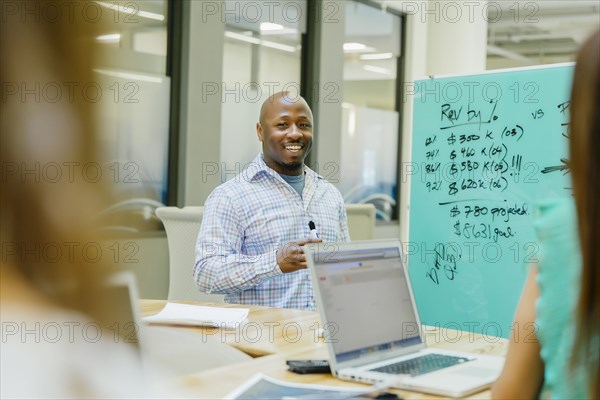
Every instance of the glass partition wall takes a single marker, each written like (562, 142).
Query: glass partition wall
(262, 55)
(133, 98)
(370, 117)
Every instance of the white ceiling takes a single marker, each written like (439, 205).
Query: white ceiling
(524, 33)
(545, 31)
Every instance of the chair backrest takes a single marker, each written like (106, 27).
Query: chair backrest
(361, 221)
(182, 226)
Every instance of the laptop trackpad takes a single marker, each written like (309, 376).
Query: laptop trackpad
(457, 382)
(463, 377)
(473, 371)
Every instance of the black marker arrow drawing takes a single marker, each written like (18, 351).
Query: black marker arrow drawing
(564, 167)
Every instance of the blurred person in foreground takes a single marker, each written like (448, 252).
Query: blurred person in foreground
(53, 343)
(562, 293)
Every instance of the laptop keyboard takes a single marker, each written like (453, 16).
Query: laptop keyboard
(422, 365)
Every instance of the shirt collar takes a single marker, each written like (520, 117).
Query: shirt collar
(258, 167)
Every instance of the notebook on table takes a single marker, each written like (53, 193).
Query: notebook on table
(373, 330)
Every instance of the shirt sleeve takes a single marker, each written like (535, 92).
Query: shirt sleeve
(344, 233)
(220, 266)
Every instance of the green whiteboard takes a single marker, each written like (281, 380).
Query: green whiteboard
(485, 149)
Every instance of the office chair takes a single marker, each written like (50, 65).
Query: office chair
(130, 215)
(361, 221)
(182, 226)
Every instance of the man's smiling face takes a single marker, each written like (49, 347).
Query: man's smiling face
(285, 130)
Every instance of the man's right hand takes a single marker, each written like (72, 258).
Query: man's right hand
(291, 256)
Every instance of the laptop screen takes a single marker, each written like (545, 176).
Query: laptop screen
(116, 308)
(366, 300)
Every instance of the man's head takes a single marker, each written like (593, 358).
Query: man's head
(285, 129)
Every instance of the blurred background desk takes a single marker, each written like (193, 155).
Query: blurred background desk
(293, 336)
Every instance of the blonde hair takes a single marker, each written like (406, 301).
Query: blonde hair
(47, 211)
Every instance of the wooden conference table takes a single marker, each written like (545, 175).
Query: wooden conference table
(272, 336)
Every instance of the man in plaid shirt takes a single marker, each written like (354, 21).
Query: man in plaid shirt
(254, 225)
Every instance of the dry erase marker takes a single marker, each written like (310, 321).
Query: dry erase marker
(313, 230)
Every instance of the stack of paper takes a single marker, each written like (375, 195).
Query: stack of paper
(186, 314)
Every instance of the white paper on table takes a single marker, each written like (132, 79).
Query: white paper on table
(187, 314)
(261, 386)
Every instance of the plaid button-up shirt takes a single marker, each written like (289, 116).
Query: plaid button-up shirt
(247, 219)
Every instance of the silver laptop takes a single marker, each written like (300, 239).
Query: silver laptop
(372, 328)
